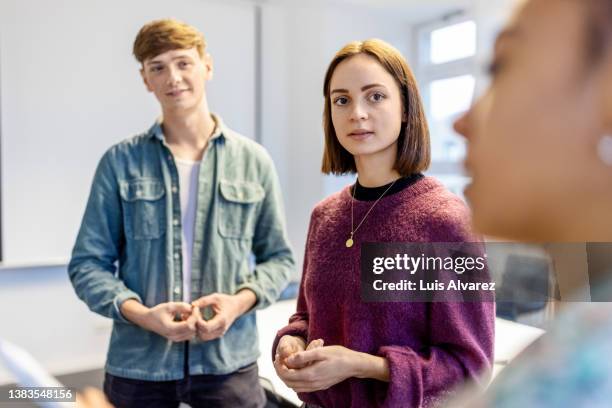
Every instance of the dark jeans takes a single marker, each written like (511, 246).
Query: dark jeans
(238, 389)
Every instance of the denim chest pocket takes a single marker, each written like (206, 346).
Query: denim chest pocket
(238, 208)
(144, 208)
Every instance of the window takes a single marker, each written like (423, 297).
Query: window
(452, 42)
(446, 67)
(448, 97)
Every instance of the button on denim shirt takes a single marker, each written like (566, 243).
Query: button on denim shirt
(129, 246)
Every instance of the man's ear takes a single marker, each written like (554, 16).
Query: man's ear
(208, 63)
(144, 79)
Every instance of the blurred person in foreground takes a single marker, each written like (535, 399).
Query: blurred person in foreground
(540, 154)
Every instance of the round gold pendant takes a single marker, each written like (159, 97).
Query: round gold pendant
(349, 242)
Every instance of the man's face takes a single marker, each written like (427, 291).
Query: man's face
(178, 78)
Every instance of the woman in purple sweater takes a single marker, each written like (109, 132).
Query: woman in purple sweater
(338, 351)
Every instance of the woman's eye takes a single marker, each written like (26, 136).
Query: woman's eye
(494, 68)
(183, 64)
(341, 101)
(377, 97)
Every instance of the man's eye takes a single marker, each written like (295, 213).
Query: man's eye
(183, 64)
(341, 101)
(156, 68)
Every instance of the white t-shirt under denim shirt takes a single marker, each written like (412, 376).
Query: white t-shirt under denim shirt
(188, 187)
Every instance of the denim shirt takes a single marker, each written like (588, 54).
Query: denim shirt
(129, 247)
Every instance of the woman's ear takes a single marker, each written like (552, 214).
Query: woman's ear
(604, 86)
(606, 92)
(604, 149)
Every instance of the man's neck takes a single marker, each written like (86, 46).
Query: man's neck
(187, 135)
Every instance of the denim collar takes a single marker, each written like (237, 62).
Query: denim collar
(158, 132)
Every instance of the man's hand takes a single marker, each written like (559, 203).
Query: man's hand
(162, 319)
(227, 309)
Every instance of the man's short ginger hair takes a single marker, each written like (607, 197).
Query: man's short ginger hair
(159, 36)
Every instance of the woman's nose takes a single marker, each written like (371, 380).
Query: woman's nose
(358, 112)
(461, 125)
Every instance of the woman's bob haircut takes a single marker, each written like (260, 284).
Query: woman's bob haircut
(413, 147)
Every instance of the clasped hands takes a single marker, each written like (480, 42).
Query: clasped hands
(313, 367)
(180, 321)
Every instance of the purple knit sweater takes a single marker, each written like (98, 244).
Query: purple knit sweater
(431, 347)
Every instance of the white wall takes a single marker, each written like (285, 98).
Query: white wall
(70, 88)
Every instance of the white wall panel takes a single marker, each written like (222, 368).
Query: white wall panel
(70, 88)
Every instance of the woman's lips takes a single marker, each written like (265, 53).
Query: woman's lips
(360, 135)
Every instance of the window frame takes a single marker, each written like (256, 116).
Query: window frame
(427, 72)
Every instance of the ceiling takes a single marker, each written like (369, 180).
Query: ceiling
(414, 10)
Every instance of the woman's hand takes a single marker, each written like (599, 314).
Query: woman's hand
(322, 367)
(287, 346)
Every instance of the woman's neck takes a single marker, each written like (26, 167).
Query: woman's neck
(372, 173)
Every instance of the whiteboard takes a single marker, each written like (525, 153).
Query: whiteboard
(70, 88)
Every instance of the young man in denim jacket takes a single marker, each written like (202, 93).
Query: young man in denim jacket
(178, 210)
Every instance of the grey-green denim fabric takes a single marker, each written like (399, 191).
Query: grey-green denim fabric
(129, 246)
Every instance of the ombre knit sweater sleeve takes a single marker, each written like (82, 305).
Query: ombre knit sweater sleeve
(298, 322)
(461, 338)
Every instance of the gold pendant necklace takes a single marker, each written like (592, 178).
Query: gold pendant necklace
(349, 242)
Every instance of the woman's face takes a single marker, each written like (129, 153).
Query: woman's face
(532, 136)
(366, 108)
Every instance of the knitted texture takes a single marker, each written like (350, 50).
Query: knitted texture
(431, 347)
